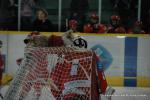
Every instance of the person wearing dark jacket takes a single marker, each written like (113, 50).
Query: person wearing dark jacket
(42, 23)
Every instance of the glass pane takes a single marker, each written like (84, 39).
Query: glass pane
(126, 9)
(8, 15)
(65, 14)
(79, 10)
(47, 23)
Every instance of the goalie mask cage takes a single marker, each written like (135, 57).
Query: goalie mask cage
(55, 73)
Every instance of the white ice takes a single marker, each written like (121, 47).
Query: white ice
(130, 93)
(121, 93)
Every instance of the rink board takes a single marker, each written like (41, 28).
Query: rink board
(131, 57)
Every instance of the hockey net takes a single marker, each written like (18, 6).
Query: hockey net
(55, 73)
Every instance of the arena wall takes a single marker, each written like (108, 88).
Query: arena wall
(131, 57)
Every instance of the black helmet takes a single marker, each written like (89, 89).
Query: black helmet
(80, 42)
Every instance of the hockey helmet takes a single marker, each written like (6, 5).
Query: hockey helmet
(115, 18)
(94, 16)
(73, 24)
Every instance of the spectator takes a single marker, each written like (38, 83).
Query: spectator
(42, 23)
(27, 8)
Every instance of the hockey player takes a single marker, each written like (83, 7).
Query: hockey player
(69, 40)
(92, 25)
(88, 28)
(137, 28)
(94, 22)
(115, 25)
(102, 28)
(73, 25)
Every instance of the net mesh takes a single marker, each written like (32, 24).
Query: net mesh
(56, 73)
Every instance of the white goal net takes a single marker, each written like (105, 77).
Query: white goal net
(55, 73)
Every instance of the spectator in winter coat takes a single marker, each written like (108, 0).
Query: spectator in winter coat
(42, 23)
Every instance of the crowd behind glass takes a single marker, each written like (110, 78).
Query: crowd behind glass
(79, 17)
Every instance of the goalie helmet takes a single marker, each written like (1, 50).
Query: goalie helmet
(68, 37)
(80, 42)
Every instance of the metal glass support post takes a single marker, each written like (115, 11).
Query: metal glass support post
(19, 15)
(99, 10)
(139, 10)
(59, 15)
